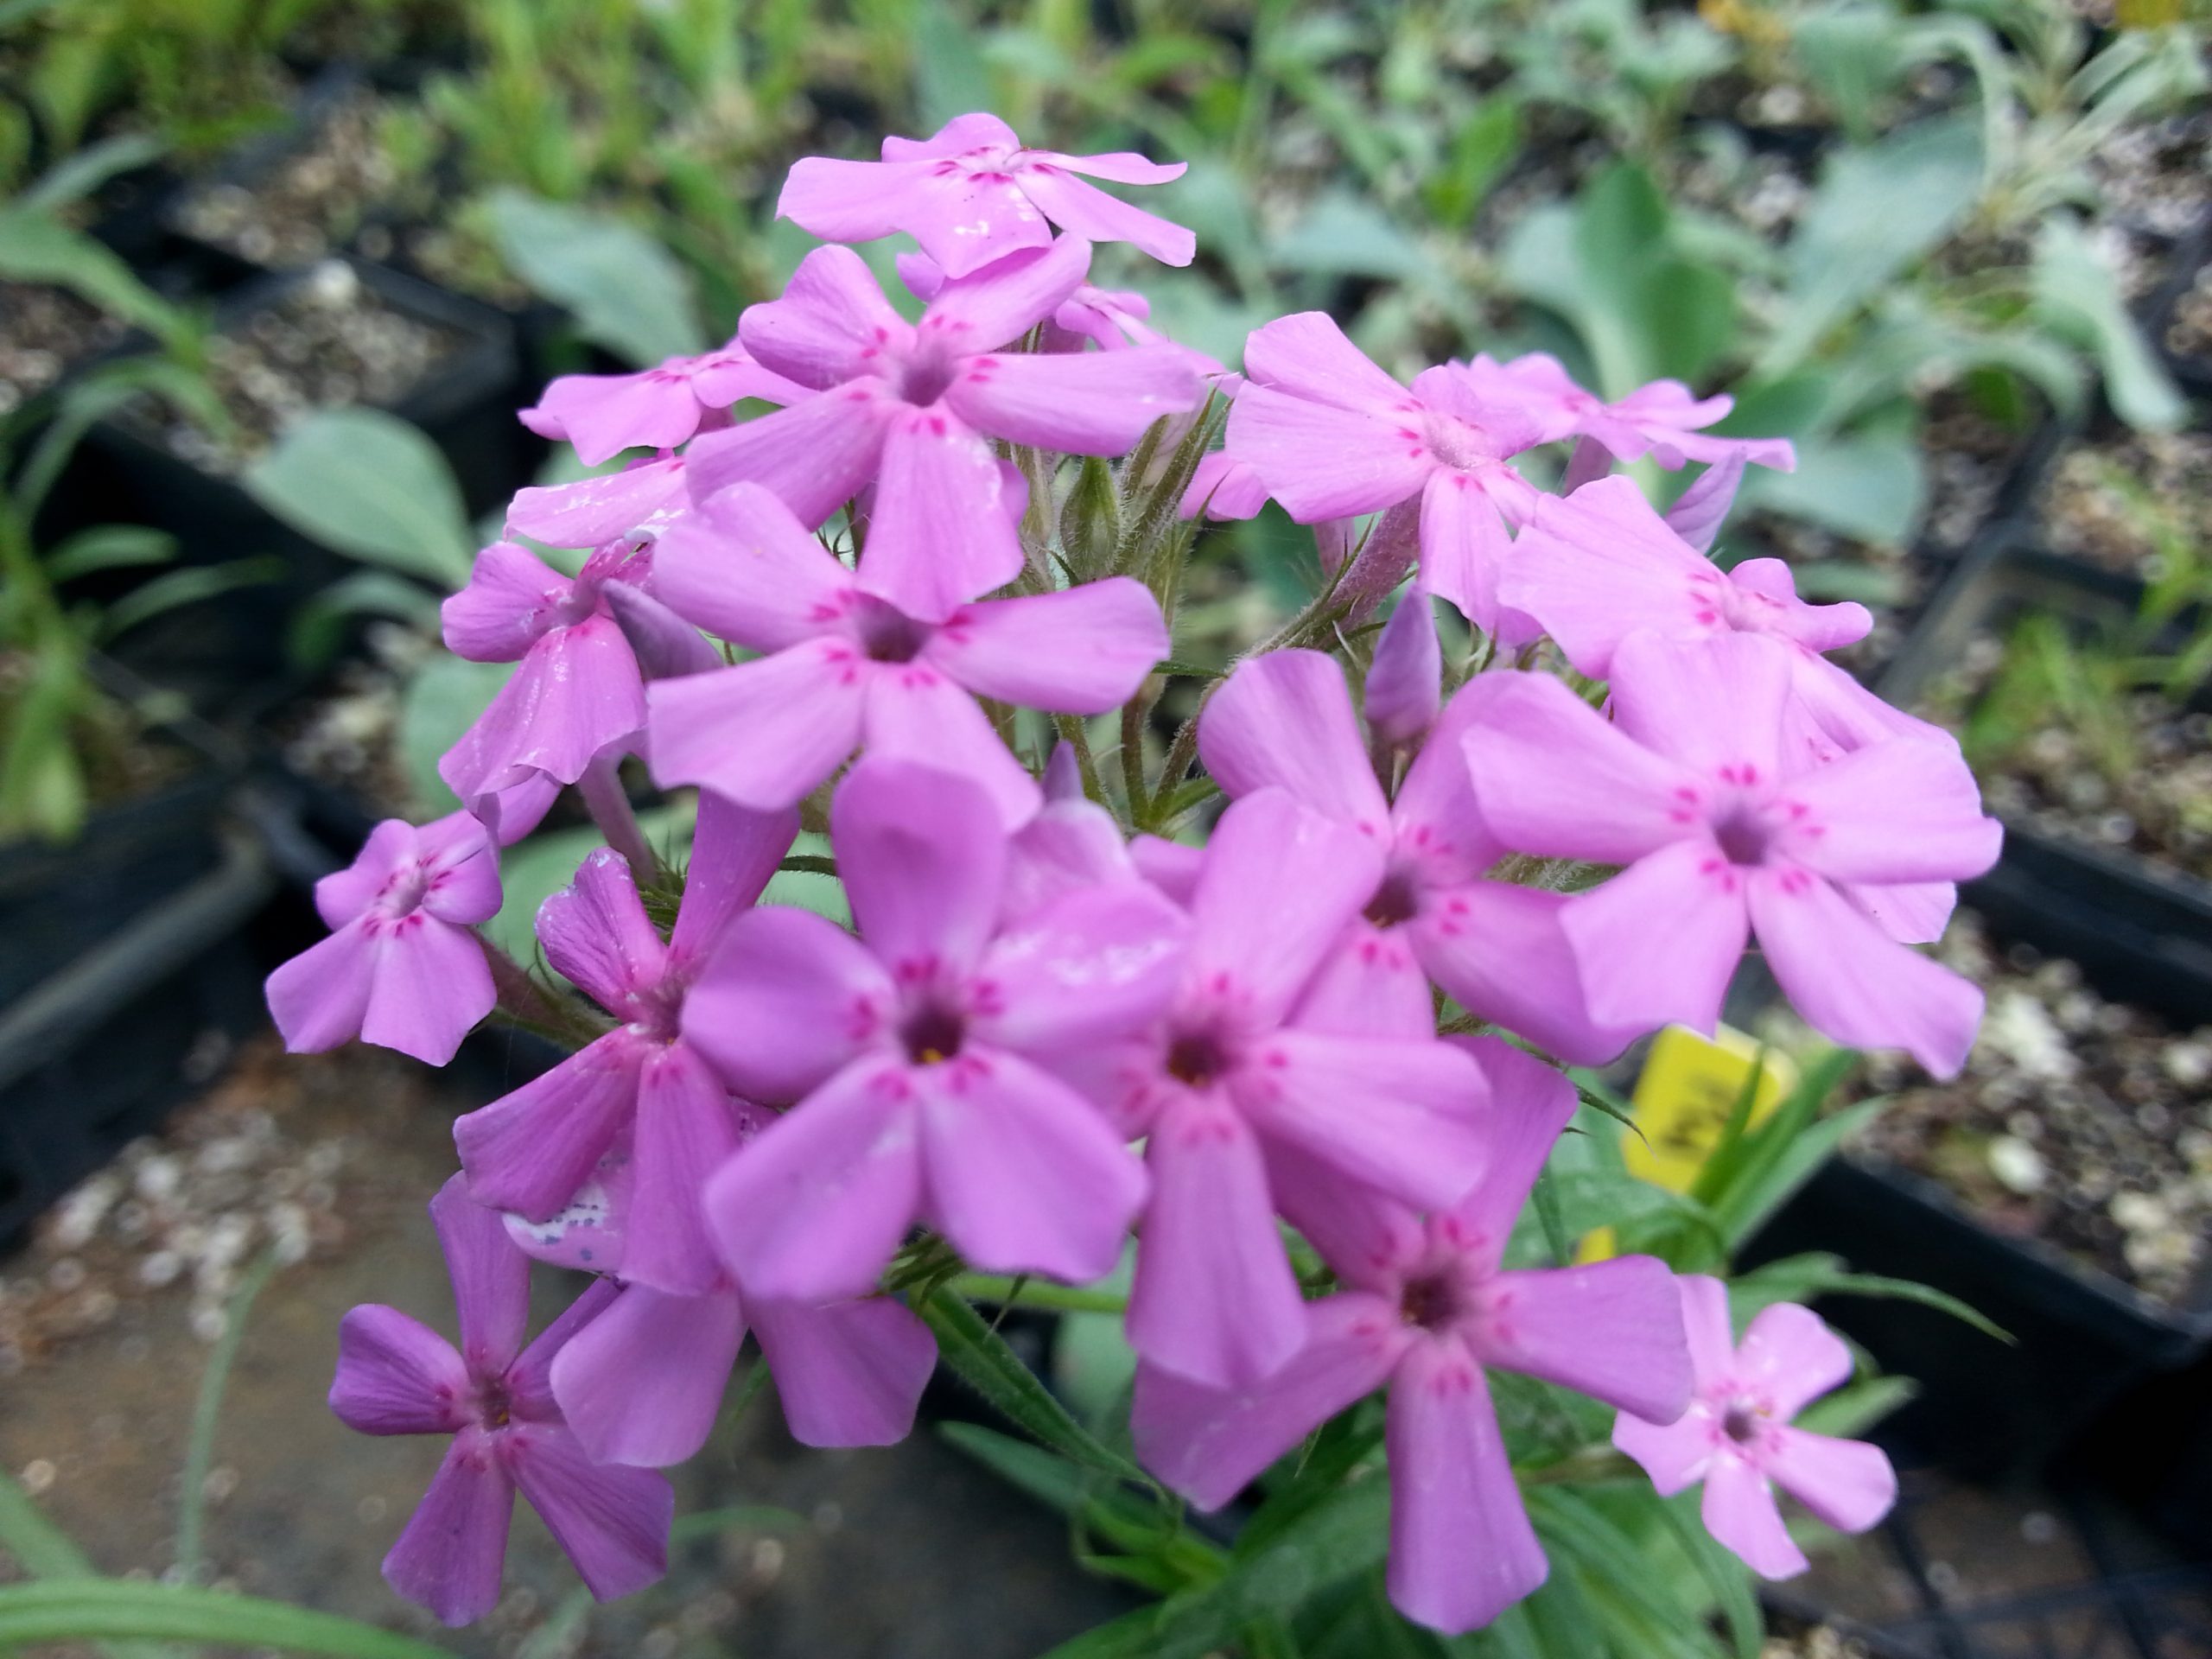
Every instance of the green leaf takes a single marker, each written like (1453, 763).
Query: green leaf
(626, 291)
(2077, 292)
(206, 1411)
(1876, 211)
(78, 176)
(187, 586)
(984, 1361)
(1870, 487)
(1906, 1290)
(37, 249)
(96, 1609)
(1485, 147)
(108, 547)
(1849, 1411)
(441, 702)
(370, 485)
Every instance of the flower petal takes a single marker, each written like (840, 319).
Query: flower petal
(1895, 812)
(597, 936)
(395, 1376)
(735, 853)
(1094, 403)
(800, 711)
(849, 1373)
(1210, 1444)
(511, 599)
(1713, 704)
(1611, 1329)
(317, 999)
(491, 1277)
(1215, 1300)
(428, 987)
(923, 858)
(813, 457)
(1081, 651)
(1403, 1117)
(611, 1521)
(531, 1150)
(1740, 1513)
(576, 691)
(1848, 1485)
(831, 325)
(1093, 964)
(1466, 549)
(942, 531)
(919, 718)
(592, 511)
(686, 1130)
(983, 312)
(1659, 942)
(1530, 1106)
(1498, 951)
(1284, 718)
(1789, 1355)
(1084, 210)
(1320, 461)
(741, 567)
(1461, 1548)
(1308, 355)
(811, 1209)
(1674, 1455)
(451, 1553)
(641, 1384)
(785, 1002)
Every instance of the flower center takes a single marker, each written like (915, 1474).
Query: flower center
(494, 1406)
(924, 376)
(932, 1032)
(1398, 900)
(1742, 836)
(887, 634)
(1458, 443)
(403, 894)
(1197, 1058)
(1431, 1301)
(1740, 1422)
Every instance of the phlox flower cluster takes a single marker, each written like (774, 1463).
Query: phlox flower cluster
(1043, 1036)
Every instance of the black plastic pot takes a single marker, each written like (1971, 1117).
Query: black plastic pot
(128, 977)
(2192, 264)
(465, 405)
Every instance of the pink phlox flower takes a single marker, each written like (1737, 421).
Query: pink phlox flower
(1111, 319)
(534, 1150)
(1737, 1438)
(1331, 436)
(912, 408)
(971, 195)
(1253, 1066)
(661, 408)
(845, 664)
(1429, 1307)
(395, 1376)
(1285, 721)
(1597, 565)
(1404, 690)
(1688, 788)
(584, 645)
(916, 1053)
(643, 1382)
(1662, 419)
(403, 967)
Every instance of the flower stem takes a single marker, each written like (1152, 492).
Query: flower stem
(601, 788)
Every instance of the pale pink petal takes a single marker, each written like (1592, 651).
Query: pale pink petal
(1766, 598)
(961, 136)
(787, 1001)
(1895, 812)
(1461, 1548)
(1911, 912)
(1465, 547)
(742, 568)
(641, 1384)
(530, 1379)
(720, 378)
(602, 415)
(971, 222)
(1120, 166)
(1740, 1513)
(1308, 356)
(1094, 963)
(1072, 844)
(1285, 718)
(511, 598)
(1848, 1485)
(1267, 845)
(1552, 775)
(1498, 951)
(1714, 704)
(1658, 943)
(597, 936)
(428, 987)
(317, 999)
(942, 532)
(665, 645)
(576, 691)
(1223, 487)
(1674, 1455)
(449, 1556)
(611, 1521)
(1370, 1240)
(1023, 1174)
(1530, 1106)
(923, 858)
(1597, 565)
(1210, 1444)
(831, 325)
(813, 457)
(1831, 714)
(1438, 827)
(1084, 210)
(461, 870)
(1170, 866)
(685, 1131)
(1854, 984)
(1320, 461)
(1405, 682)
(811, 1209)
(530, 1150)
(848, 201)
(1400, 1116)
(343, 894)
(849, 1373)
(1371, 985)
(735, 853)
(1789, 1355)
(1706, 1322)
(918, 716)
(592, 511)
(800, 711)
(508, 815)
(588, 1234)
(395, 1376)
(998, 306)
(1611, 1329)
(1097, 404)
(491, 1277)
(1215, 1300)
(1081, 651)
(1699, 510)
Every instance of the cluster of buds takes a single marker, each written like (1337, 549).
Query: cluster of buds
(1064, 1014)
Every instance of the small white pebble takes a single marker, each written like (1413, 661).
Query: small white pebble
(2017, 1165)
(38, 1475)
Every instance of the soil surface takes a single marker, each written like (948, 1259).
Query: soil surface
(2127, 504)
(42, 331)
(911, 1552)
(304, 203)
